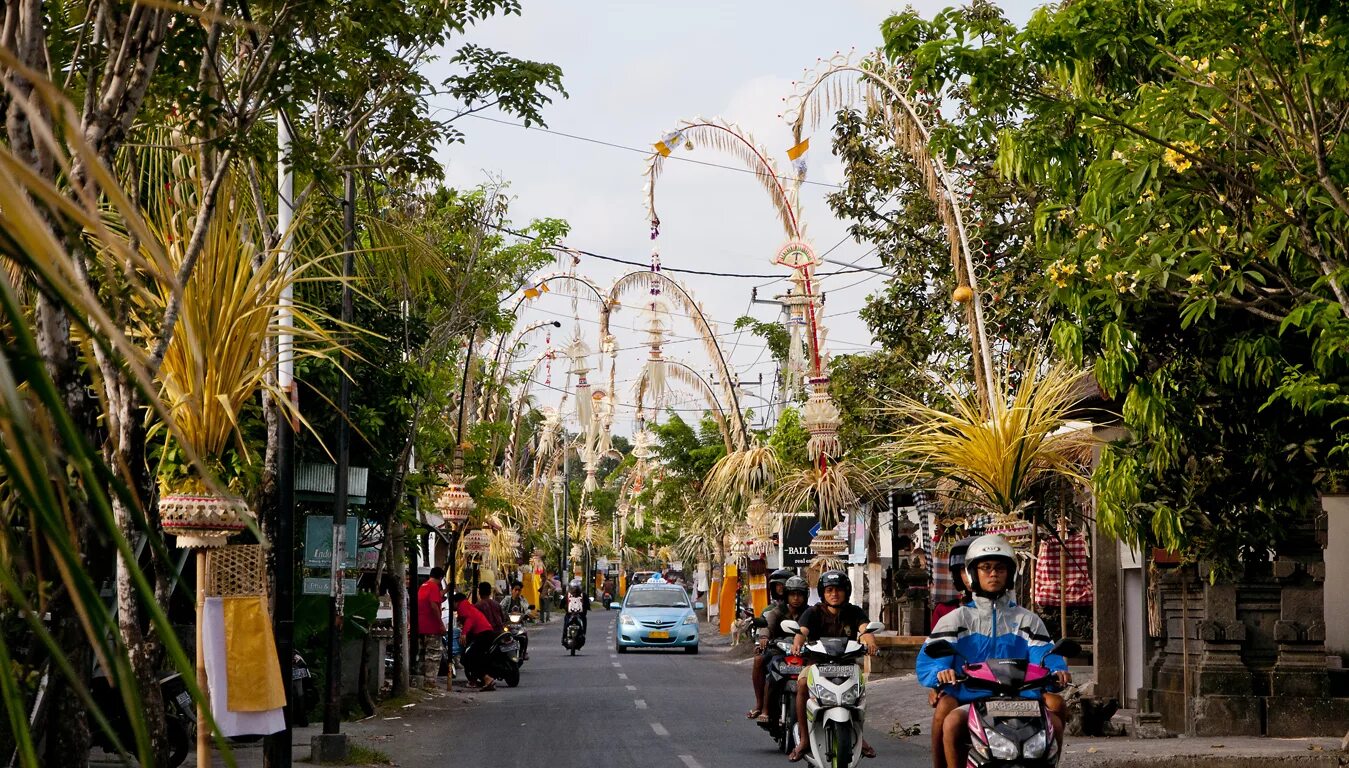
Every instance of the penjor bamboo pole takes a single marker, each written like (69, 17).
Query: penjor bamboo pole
(203, 732)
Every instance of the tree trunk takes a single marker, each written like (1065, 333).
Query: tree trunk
(398, 593)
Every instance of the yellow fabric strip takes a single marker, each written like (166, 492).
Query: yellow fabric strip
(662, 148)
(799, 149)
(252, 668)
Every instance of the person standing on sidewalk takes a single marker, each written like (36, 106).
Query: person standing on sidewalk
(545, 597)
(430, 629)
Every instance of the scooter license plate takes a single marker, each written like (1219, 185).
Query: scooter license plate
(1024, 708)
(790, 669)
(658, 634)
(835, 670)
(184, 700)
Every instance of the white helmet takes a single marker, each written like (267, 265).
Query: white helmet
(989, 547)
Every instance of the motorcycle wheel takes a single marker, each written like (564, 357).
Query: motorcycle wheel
(511, 676)
(786, 723)
(573, 651)
(178, 741)
(840, 745)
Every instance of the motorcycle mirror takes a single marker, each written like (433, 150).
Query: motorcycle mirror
(790, 626)
(939, 649)
(874, 626)
(1066, 647)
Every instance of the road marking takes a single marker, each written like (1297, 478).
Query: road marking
(640, 703)
(622, 676)
(689, 761)
(616, 664)
(659, 729)
(632, 687)
(613, 655)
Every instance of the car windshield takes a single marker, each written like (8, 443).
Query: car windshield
(658, 598)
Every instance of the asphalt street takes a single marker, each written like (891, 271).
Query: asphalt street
(642, 708)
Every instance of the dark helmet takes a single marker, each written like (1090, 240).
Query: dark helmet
(956, 561)
(779, 576)
(796, 584)
(834, 579)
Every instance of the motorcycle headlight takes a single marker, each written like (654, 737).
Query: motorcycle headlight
(1001, 746)
(1036, 746)
(515, 618)
(824, 695)
(691, 619)
(626, 620)
(850, 697)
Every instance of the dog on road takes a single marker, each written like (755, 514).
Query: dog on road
(742, 629)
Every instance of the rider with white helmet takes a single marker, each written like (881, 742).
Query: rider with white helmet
(990, 626)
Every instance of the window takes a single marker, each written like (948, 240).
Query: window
(657, 598)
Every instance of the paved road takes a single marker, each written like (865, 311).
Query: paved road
(641, 708)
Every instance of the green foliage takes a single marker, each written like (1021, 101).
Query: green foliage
(788, 440)
(1187, 180)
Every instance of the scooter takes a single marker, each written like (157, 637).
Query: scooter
(783, 667)
(835, 706)
(515, 624)
(1008, 729)
(573, 632)
(180, 716)
(501, 661)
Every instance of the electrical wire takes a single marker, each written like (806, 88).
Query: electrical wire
(638, 150)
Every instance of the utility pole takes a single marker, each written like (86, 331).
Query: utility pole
(331, 746)
(278, 746)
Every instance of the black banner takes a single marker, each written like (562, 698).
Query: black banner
(796, 536)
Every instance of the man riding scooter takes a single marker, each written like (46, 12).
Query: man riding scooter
(833, 616)
(515, 604)
(777, 598)
(990, 626)
(795, 593)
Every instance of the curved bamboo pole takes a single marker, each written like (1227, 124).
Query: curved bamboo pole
(815, 99)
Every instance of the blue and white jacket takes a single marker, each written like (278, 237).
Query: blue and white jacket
(985, 628)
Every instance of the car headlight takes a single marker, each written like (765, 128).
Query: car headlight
(626, 620)
(691, 619)
(1036, 746)
(1001, 746)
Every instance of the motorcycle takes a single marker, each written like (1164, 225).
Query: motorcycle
(515, 624)
(501, 661)
(303, 692)
(783, 668)
(180, 716)
(573, 633)
(835, 706)
(1007, 729)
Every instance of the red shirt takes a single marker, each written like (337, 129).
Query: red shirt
(429, 598)
(472, 621)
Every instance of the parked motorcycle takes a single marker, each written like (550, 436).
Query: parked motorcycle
(501, 662)
(573, 633)
(515, 624)
(304, 694)
(835, 706)
(180, 717)
(1006, 728)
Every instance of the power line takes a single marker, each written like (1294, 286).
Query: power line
(644, 265)
(638, 150)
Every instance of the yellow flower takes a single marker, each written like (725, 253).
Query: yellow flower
(1178, 159)
(1222, 229)
(1225, 268)
(1195, 279)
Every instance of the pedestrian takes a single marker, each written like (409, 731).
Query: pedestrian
(545, 598)
(430, 628)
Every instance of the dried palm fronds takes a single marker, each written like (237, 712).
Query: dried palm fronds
(826, 494)
(995, 453)
(741, 475)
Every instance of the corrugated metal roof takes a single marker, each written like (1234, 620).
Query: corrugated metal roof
(314, 482)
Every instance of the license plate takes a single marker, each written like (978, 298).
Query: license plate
(299, 673)
(835, 670)
(184, 700)
(658, 634)
(790, 669)
(1024, 708)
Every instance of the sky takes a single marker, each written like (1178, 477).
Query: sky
(633, 70)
